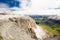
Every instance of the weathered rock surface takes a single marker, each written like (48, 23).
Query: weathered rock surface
(15, 27)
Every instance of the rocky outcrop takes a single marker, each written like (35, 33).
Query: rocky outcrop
(16, 27)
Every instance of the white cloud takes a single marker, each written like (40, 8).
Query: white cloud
(45, 3)
(2, 5)
(41, 7)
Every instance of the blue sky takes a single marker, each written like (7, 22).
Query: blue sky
(11, 3)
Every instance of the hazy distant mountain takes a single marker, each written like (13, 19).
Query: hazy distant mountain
(55, 17)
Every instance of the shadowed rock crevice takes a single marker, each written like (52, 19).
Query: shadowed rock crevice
(25, 23)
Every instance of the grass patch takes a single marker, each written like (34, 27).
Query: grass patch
(49, 25)
(49, 29)
(1, 38)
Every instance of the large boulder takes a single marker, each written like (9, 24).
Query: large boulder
(16, 27)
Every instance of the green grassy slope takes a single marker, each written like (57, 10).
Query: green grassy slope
(49, 29)
(50, 26)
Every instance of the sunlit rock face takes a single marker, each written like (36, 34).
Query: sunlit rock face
(16, 27)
